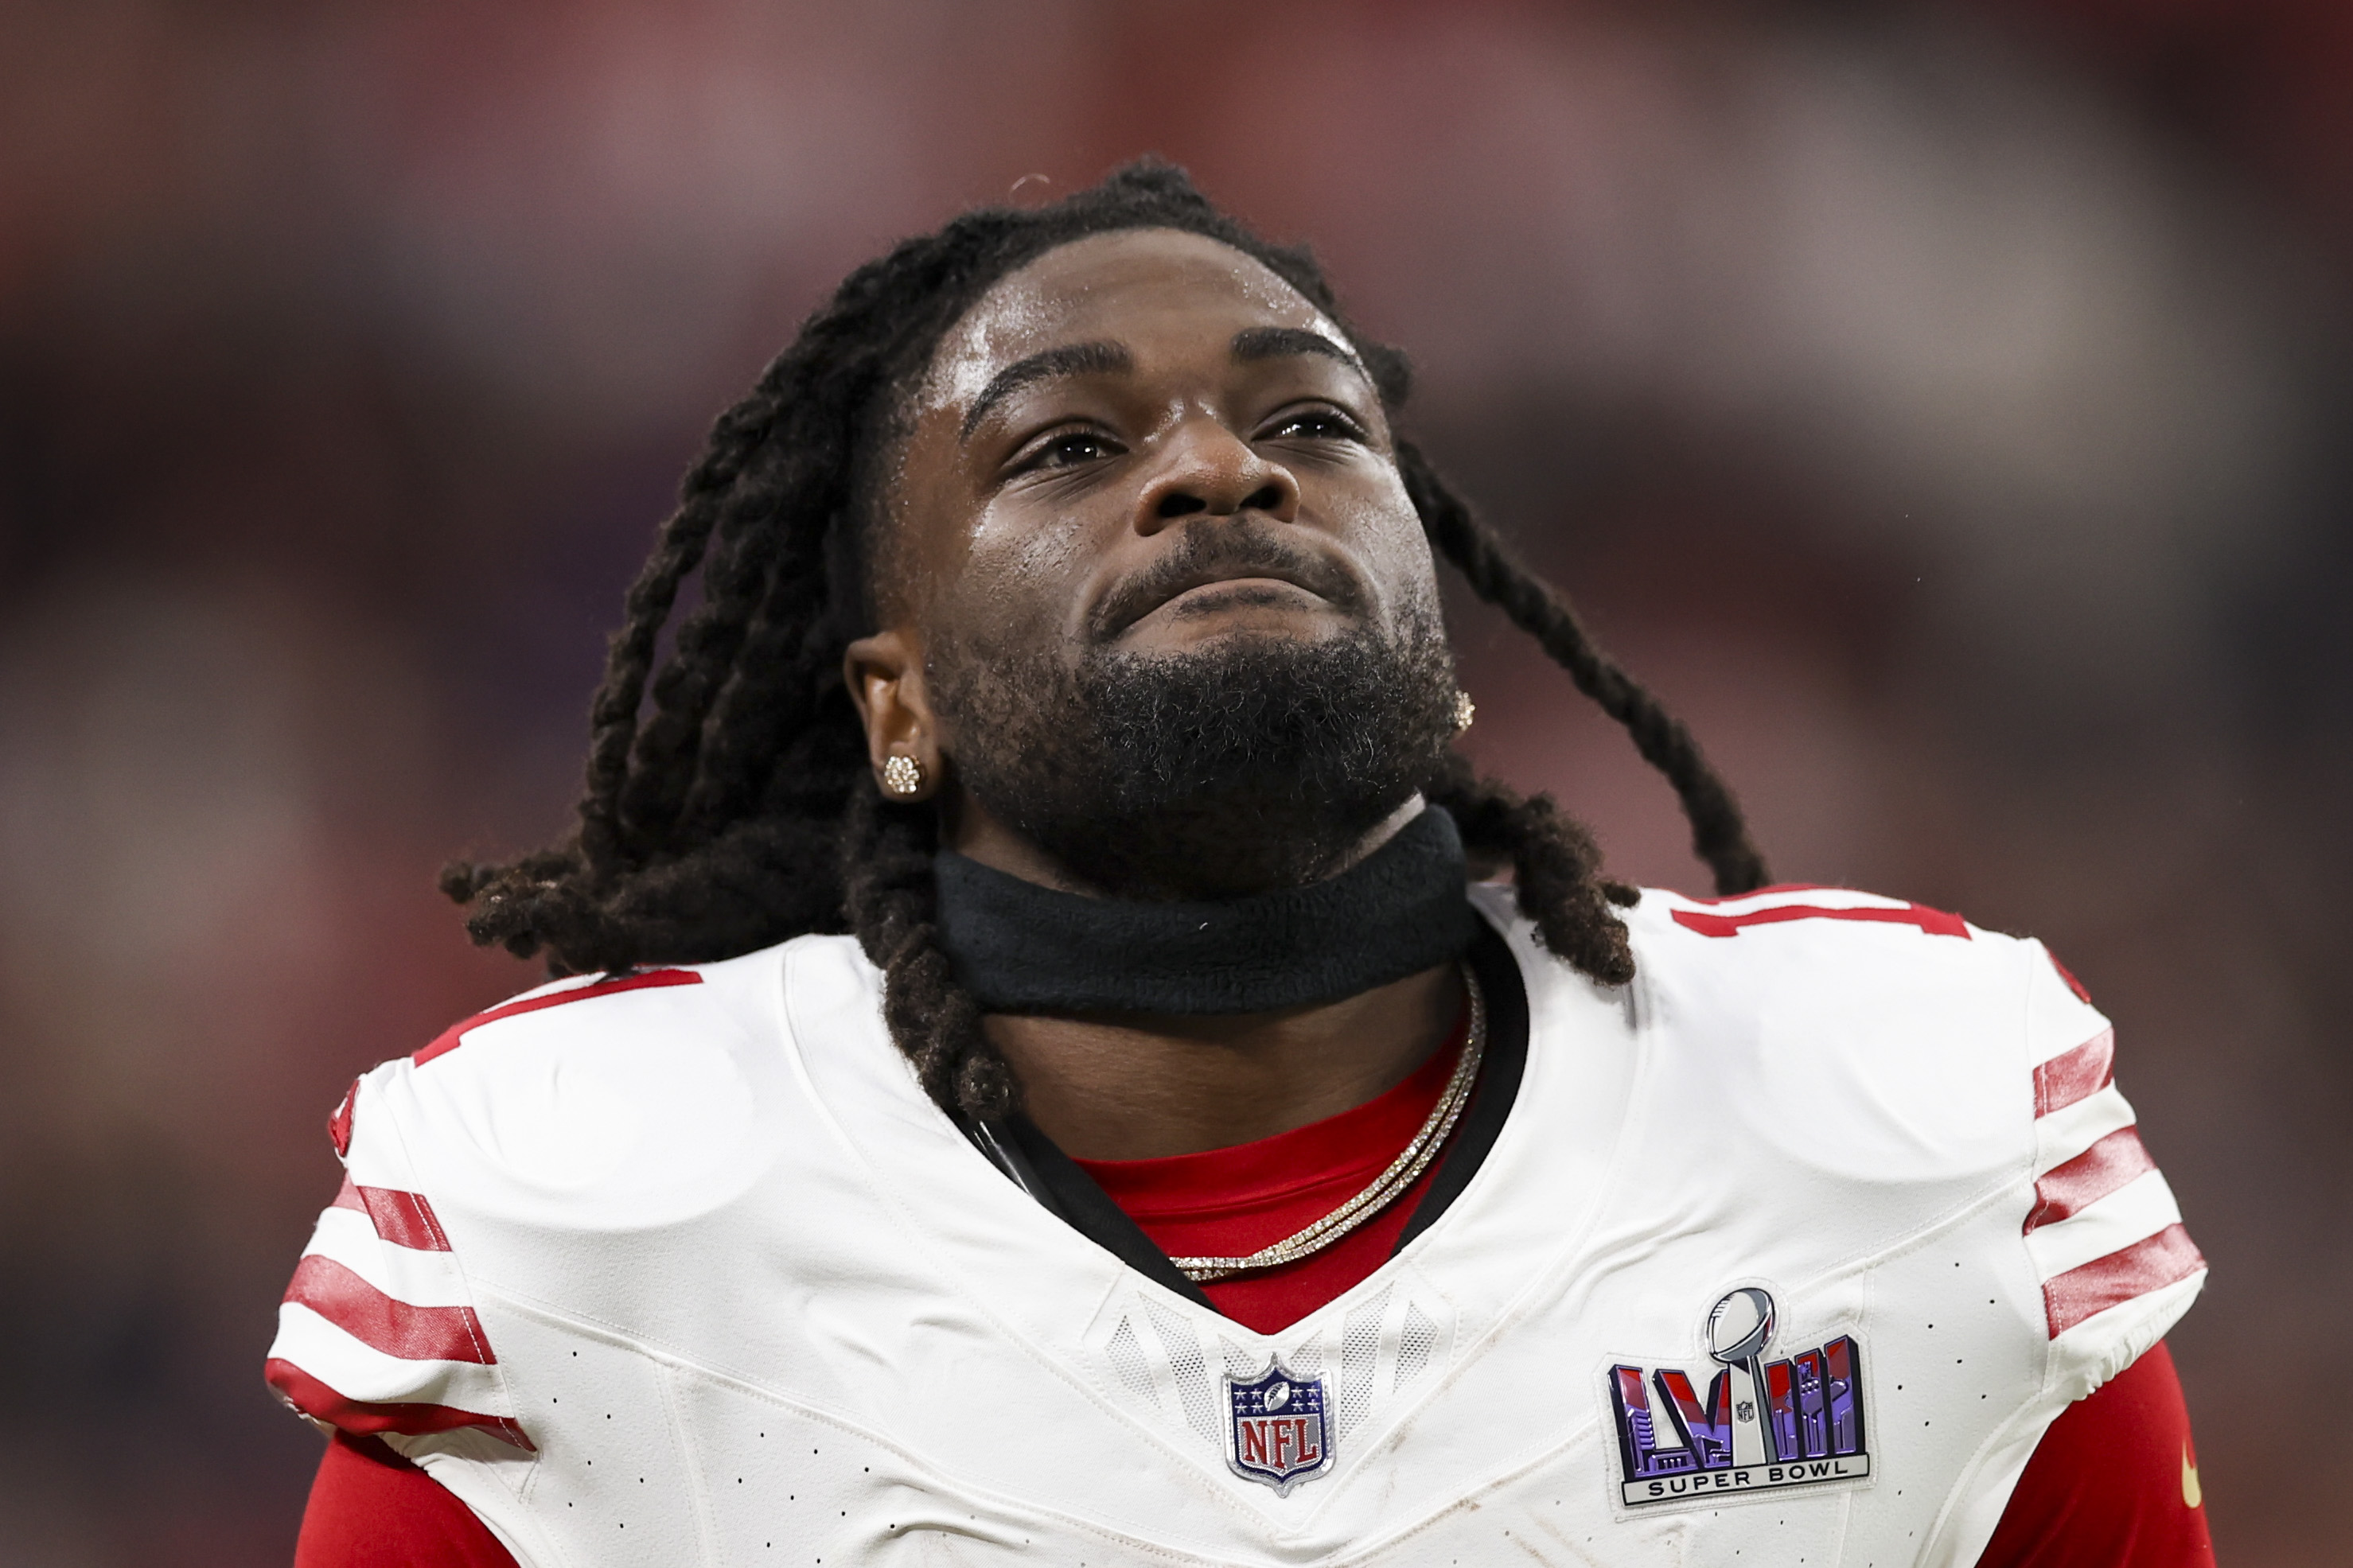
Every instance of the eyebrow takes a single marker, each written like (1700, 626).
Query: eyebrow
(1070, 359)
(1276, 343)
(1107, 358)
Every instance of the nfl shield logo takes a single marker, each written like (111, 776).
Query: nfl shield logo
(1275, 1428)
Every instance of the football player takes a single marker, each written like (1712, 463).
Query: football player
(1042, 1069)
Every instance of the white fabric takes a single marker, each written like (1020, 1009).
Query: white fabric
(2141, 1207)
(754, 1299)
(403, 1273)
(2072, 1128)
(360, 1371)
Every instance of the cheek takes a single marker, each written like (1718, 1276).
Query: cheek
(1390, 539)
(1021, 574)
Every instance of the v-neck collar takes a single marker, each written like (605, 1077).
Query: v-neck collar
(1507, 1200)
(1064, 1188)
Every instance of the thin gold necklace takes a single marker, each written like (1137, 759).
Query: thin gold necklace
(1389, 1185)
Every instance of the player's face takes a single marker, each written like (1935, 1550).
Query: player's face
(1146, 442)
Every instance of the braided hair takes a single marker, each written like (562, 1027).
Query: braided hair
(732, 805)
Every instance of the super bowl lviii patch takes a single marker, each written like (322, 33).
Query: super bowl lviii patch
(1275, 1428)
(1761, 1426)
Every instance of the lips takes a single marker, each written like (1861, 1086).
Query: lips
(1204, 559)
(1224, 579)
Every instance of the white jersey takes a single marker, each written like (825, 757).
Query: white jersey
(1789, 1250)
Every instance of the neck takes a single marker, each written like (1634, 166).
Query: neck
(1107, 1083)
(1140, 1086)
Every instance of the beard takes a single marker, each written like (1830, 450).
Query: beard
(1249, 766)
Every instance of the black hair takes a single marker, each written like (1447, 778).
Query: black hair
(733, 806)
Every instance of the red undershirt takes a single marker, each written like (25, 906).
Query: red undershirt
(1228, 1203)
(2110, 1482)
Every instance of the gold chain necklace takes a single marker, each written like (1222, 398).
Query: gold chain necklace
(1389, 1185)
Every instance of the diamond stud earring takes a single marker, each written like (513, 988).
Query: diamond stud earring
(1465, 711)
(902, 776)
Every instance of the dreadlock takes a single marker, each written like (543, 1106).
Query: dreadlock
(729, 802)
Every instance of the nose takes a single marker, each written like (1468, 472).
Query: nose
(1207, 469)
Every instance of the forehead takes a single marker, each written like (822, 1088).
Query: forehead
(1130, 286)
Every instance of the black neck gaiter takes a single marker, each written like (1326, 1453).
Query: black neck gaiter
(1020, 948)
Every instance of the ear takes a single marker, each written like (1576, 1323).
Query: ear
(885, 676)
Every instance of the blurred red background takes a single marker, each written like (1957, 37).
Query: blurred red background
(1941, 403)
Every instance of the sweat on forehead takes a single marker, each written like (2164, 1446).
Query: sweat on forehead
(1080, 292)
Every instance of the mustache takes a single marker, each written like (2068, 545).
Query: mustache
(1214, 552)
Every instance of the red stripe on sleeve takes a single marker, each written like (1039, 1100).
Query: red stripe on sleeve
(2069, 1189)
(339, 1125)
(2075, 1075)
(652, 978)
(1933, 922)
(2147, 1265)
(381, 1323)
(321, 1403)
(404, 1220)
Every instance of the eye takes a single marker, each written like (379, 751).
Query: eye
(1321, 423)
(1069, 448)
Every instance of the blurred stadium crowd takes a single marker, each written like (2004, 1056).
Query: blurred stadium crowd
(1942, 403)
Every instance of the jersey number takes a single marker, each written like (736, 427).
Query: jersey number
(1933, 922)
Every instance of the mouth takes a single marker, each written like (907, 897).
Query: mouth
(1260, 572)
(1218, 593)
